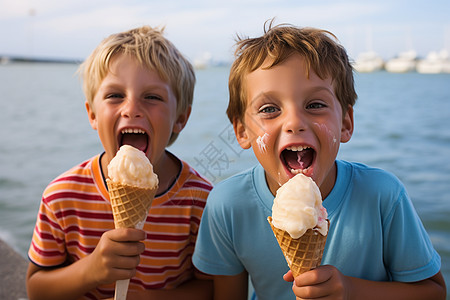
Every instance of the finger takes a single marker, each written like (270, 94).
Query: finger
(127, 235)
(126, 262)
(310, 292)
(128, 248)
(119, 274)
(316, 276)
(288, 276)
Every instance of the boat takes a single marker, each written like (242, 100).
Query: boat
(434, 63)
(203, 61)
(403, 63)
(4, 60)
(367, 62)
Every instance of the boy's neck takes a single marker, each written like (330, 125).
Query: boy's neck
(168, 171)
(328, 184)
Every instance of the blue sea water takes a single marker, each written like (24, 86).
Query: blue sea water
(402, 124)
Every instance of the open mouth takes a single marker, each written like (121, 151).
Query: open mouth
(137, 138)
(298, 159)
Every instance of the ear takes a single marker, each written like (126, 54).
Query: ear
(182, 119)
(241, 134)
(347, 125)
(91, 115)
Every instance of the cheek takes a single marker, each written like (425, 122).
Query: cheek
(327, 135)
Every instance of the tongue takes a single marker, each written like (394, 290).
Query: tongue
(298, 159)
(138, 141)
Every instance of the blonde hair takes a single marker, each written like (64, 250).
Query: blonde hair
(150, 48)
(320, 49)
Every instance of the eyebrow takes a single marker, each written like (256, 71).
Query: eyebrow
(260, 95)
(322, 88)
(117, 84)
(313, 89)
(266, 96)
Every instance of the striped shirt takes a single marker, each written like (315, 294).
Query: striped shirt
(75, 211)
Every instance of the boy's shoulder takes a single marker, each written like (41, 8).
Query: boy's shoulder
(240, 179)
(82, 174)
(243, 185)
(368, 180)
(192, 177)
(365, 172)
(235, 193)
(83, 168)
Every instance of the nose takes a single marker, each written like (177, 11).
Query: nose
(131, 108)
(294, 122)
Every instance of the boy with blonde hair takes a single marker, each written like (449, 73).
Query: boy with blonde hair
(291, 100)
(139, 91)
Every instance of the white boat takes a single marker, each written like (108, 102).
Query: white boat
(434, 63)
(404, 62)
(203, 61)
(4, 60)
(368, 62)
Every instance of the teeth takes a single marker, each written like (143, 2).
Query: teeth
(131, 130)
(297, 148)
(295, 172)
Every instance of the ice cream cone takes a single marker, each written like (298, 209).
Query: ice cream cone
(130, 204)
(302, 254)
(132, 185)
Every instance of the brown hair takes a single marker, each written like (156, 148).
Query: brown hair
(323, 54)
(150, 48)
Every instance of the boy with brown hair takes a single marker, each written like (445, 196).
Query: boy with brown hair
(291, 100)
(139, 91)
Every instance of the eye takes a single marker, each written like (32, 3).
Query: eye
(316, 105)
(153, 97)
(268, 109)
(114, 96)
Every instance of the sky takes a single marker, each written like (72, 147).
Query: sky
(71, 29)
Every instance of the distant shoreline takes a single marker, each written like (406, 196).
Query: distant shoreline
(6, 59)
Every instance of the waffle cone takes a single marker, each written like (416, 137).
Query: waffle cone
(302, 254)
(129, 204)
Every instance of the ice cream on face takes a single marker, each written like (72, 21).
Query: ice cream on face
(261, 141)
(298, 207)
(328, 132)
(130, 166)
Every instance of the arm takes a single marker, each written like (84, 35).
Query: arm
(198, 288)
(223, 288)
(231, 287)
(327, 281)
(115, 257)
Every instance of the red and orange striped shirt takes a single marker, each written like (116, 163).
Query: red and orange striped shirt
(75, 211)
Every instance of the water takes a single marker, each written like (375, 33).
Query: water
(402, 124)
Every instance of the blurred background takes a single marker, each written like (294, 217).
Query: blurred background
(205, 30)
(402, 116)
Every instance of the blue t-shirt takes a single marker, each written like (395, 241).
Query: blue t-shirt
(374, 234)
